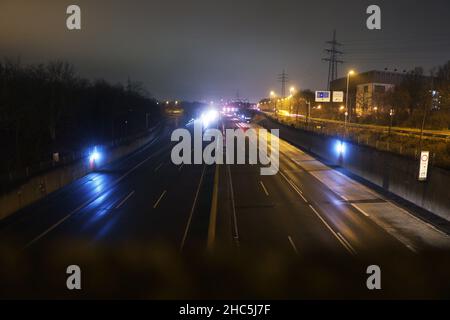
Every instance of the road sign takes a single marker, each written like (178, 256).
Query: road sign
(323, 96)
(338, 96)
(423, 169)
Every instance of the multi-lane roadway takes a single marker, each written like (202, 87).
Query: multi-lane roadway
(145, 227)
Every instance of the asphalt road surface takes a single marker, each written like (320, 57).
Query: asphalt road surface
(145, 227)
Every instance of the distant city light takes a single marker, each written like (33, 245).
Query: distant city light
(209, 116)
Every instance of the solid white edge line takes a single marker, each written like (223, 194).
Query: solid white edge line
(264, 188)
(360, 210)
(332, 231)
(296, 189)
(346, 242)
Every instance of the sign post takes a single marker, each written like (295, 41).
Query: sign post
(423, 168)
(323, 96)
(338, 96)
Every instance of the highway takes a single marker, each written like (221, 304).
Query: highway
(144, 227)
(119, 202)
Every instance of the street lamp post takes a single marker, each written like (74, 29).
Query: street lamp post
(291, 97)
(272, 97)
(391, 114)
(309, 112)
(351, 72)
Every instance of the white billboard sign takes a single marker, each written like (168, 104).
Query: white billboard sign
(323, 96)
(338, 96)
(423, 169)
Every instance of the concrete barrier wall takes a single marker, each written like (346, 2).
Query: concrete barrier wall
(44, 184)
(393, 173)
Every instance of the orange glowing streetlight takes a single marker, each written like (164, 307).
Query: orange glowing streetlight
(350, 73)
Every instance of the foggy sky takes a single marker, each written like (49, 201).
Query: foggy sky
(207, 50)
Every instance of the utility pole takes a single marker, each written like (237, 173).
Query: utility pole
(333, 59)
(308, 115)
(283, 78)
(425, 111)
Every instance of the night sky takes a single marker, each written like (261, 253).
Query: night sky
(206, 50)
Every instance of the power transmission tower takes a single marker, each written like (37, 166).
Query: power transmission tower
(333, 59)
(283, 78)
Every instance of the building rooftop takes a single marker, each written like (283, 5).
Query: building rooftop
(373, 76)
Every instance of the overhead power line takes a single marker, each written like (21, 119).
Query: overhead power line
(333, 59)
(283, 78)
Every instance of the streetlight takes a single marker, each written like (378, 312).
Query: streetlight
(391, 114)
(292, 92)
(272, 97)
(308, 102)
(350, 73)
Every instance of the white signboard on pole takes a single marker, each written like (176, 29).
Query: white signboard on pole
(423, 169)
(338, 96)
(323, 96)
